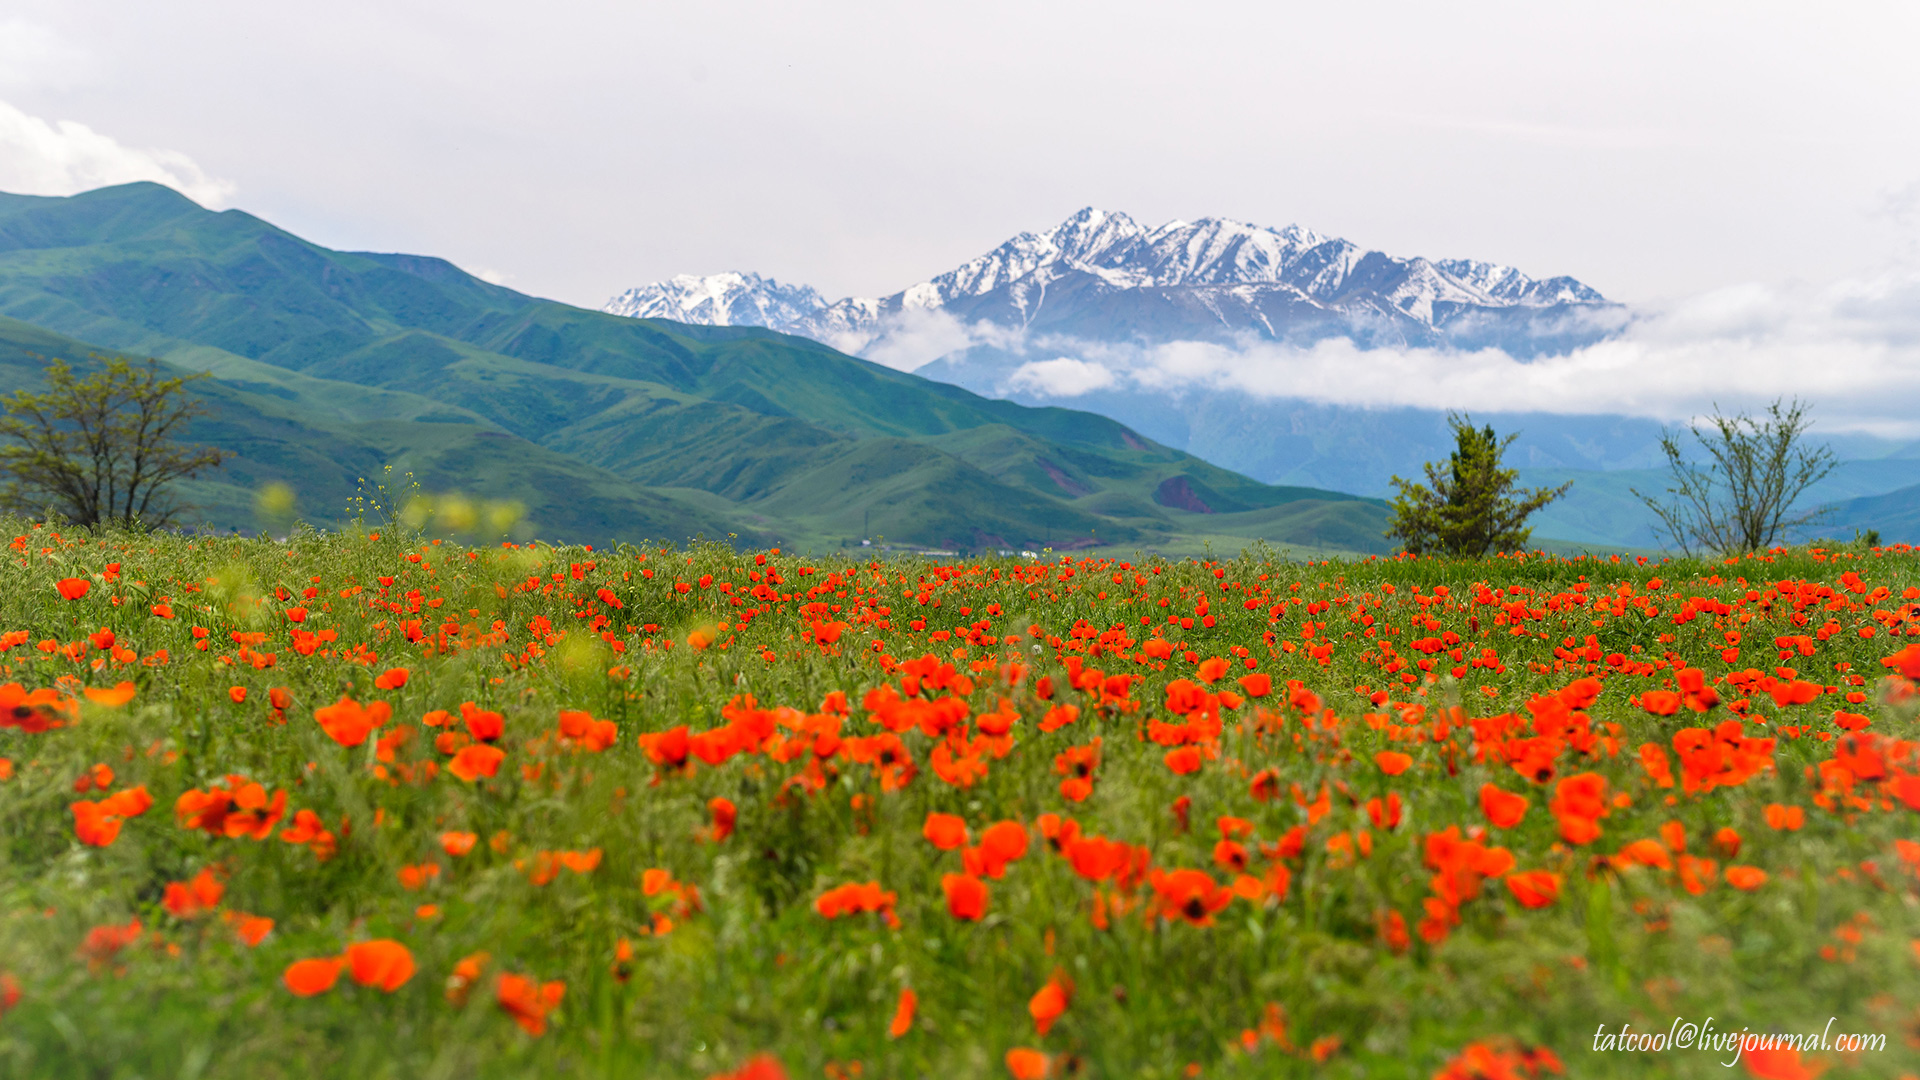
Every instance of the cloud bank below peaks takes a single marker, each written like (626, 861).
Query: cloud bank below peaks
(63, 157)
(1851, 349)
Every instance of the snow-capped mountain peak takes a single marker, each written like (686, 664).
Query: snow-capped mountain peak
(1101, 275)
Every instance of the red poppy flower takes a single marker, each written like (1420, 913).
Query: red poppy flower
(1534, 888)
(309, 977)
(1503, 809)
(945, 831)
(966, 896)
(383, 962)
(903, 1013)
(476, 761)
(1050, 1001)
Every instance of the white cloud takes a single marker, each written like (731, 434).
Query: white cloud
(1062, 377)
(1852, 350)
(63, 157)
(911, 339)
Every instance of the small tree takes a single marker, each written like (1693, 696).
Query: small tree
(101, 450)
(1469, 506)
(1742, 499)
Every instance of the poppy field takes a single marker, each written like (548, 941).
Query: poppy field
(379, 806)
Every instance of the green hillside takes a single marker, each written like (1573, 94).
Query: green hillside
(332, 363)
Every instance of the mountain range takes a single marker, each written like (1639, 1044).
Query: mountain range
(328, 365)
(1094, 312)
(1102, 276)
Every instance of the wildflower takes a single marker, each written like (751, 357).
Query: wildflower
(348, 723)
(104, 942)
(250, 929)
(72, 588)
(476, 761)
(1392, 762)
(966, 896)
(309, 977)
(192, 899)
(724, 816)
(383, 962)
(903, 1013)
(1192, 895)
(391, 679)
(1025, 1063)
(1746, 878)
(854, 898)
(1785, 818)
(1050, 1001)
(111, 696)
(1579, 802)
(579, 728)
(1534, 888)
(945, 831)
(762, 1067)
(465, 973)
(1771, 1062)
(528, 1002)
(1503, 809)
(483, 724)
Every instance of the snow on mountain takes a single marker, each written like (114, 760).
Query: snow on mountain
(1100, 275)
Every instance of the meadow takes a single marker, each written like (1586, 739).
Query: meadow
(380, 806)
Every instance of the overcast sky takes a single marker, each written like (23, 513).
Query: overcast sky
(571, 150)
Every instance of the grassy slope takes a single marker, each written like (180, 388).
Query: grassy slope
(281, 437)
(766, 421)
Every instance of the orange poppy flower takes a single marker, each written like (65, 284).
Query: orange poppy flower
(237, 694)
(1746, 878)
(1050, 1001)
(476, 761)
(483, 724)
(1785, 818)
(465, 973)
(111, 696)
(1392, 762)
(1645, 853)
(1534, 888)
(250, 929)
(391, 679)
(1025, 1063)
(768, 1067)
(966, 896)
(457, 844)
(1004, 842)
(529, 1002)
(1660, 702)
(945, 831)
(1192, 895)
(192, 899)
(1184, 761)
(348, 723)
(73, 588)
(1777, 1063)
(903, 1013)
(724, 816)
(383, 962)
(1503, 809)
(854, 898)
(309, 977)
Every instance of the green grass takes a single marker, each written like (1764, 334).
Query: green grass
(755, 969)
